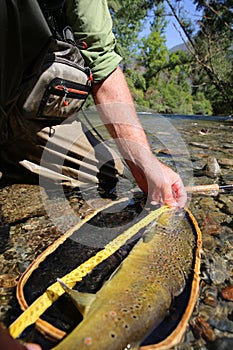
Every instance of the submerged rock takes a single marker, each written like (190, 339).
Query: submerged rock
(212, 168)
(221, 344)
(227, 293)
(225, 162)
(199, 145)
(217, 269)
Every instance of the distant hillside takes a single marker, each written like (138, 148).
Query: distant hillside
(178, 47)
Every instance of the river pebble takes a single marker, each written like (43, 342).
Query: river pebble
(227, 293)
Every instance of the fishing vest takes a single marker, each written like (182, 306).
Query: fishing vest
(62, 83)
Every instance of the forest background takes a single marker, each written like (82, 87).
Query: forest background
(194, 78)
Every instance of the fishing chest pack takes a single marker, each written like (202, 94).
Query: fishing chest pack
(62, 83)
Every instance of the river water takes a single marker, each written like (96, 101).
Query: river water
(200, 149)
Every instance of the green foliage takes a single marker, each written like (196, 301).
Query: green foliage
(168, 97)
(137, 79)
(198, 81)
(128, 20)
(212, 54)
(201, 105)
(154, 54)
(214, 48)
(215, 79)
(137, 92)
(217, 16)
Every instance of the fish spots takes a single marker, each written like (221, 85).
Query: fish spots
(113, 313)
(124, 310)
(149, 278)
(88, 341)
(112, 335)
(151, 258)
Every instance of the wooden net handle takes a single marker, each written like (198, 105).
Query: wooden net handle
(202, 188)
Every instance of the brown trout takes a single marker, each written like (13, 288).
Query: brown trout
(135, 300)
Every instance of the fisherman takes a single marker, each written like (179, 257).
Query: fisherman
(22, 143)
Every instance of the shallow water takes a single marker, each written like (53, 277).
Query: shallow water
(188, 145)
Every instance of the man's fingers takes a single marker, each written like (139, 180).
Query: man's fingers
(31, 346)
(182, 198)
(174, 196)
(180, 193)
(163, 198)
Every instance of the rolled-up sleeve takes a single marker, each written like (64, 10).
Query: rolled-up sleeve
(91, 22)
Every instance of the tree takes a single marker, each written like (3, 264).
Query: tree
(154, 53)
(166, 73)
(128, 21)
(211, 49)
(214, 42)
(180, 82)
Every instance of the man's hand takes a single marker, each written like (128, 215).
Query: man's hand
(162, 184)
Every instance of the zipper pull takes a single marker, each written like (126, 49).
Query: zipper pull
(65, 102)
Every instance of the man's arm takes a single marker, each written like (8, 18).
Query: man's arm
(116, 108)
(92, 23)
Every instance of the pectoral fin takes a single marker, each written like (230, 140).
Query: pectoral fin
(149, 233)
(81, 300)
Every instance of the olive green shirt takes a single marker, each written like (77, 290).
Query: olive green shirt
(91, 22)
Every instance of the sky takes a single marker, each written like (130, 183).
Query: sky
(172, 35)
